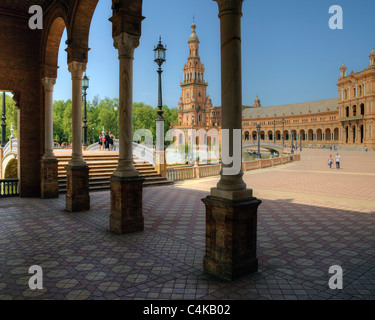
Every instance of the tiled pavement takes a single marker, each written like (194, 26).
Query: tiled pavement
(311, 218)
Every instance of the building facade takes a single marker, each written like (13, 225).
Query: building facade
(348, 120)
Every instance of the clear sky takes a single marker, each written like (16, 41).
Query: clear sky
(289, 53)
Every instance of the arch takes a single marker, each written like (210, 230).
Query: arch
(327, 134)
(362, 109)
(11, 169)
(347, 112)
(80, 29)
(354, 133)
(270, 135)
(302, 135)
(247, 135)
(54, 26)
(361, 133)
(278, 135)
(336, 134)
(254, 135)
(354, 110)
(310, 134)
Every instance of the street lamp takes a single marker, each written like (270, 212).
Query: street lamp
(300, 141)
(283, 121)
(292, 148)
(85, 86)
(3, 124)
(274, 131)
(258, 156)
(116, 122)
(160, 59)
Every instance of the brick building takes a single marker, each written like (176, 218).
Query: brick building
(346, 120)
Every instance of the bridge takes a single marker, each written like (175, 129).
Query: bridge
(272, 147)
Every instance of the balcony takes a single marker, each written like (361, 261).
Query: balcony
(352, 118)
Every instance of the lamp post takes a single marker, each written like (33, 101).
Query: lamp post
(292, 148)
(283, 121)
(258, 156)
(3, 124)
(85, 86)
(160, 59)
(116, 122)
(159, 55)
(300, 141)
(274, 131)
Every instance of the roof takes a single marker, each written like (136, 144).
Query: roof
(292, 109)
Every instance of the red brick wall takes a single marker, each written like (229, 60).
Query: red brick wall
(20, 73)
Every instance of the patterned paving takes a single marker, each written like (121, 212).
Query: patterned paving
(301, 233)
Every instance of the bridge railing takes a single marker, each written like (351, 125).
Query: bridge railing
(139, 150)
(9, 188)
(184, 173)
(11, 146)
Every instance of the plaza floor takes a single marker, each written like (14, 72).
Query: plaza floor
(311, 217)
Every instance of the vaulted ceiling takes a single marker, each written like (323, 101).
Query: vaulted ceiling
(21, 7)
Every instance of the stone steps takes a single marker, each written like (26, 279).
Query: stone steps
(101, 170)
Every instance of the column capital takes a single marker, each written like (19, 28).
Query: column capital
(229, 6)
(77, 69)
(48, 83)
(126, 43)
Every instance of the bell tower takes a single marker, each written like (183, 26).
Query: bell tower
(194, 106)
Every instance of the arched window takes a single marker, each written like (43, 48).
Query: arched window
(354, 111)
(347, 112)
(362, 109)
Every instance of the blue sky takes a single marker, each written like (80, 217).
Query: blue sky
(289, 54)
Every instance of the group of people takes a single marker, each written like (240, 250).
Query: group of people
(330, 161)
(106, 141)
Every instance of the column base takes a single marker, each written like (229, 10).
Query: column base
(49, 179)
(126, 205)
(231, 237)
(77, 188)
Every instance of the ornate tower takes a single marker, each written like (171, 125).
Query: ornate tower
(194, 108)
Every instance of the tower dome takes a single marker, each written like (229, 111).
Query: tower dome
(193, 36)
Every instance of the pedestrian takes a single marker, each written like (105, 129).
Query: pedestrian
(100, 140)
(111, 140)
(337, 161)
(106, 137)
(330, 160)
(366, 149)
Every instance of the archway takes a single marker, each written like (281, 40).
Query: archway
(327, 134)
(319, 134)
(310, 135)
(354, 134)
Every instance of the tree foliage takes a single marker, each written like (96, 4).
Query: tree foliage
(101, 114)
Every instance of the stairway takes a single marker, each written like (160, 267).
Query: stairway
(102, 165)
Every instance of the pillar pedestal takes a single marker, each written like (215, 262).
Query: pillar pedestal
(126, 205)
(49, 183)
(77, 188)
(231, 237)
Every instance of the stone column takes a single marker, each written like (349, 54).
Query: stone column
(231, 209)
(77, 182)
(126, 183)
(49, 163)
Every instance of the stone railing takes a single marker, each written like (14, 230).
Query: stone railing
(139, 150)
(183, 173)
(9, 188)
(10, 147)
(177, 174)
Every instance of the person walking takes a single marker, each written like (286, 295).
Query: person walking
(111, 140)
(106, 137)
(337, 161)
(330, 160)
(100, 140)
